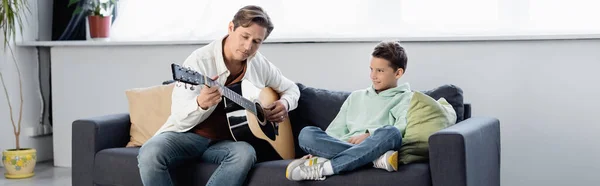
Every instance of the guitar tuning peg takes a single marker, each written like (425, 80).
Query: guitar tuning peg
(192, 87)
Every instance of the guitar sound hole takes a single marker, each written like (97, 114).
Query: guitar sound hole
(259, 112)
(266, 126)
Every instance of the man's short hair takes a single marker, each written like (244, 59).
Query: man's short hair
(252, 14)
(393, 52)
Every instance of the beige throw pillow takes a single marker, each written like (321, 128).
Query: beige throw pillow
(149, 109)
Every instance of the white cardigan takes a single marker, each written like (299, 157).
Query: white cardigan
(208, 60)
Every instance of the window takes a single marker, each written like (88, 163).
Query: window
(563, 16)
(177, 20)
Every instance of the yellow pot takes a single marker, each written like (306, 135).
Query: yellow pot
(19, 163)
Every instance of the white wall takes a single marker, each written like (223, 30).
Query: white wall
(27, 60)
(543, 92)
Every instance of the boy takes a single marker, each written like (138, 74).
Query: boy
(368, 127)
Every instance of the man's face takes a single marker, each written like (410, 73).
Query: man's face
(383, 75)
(244, 42)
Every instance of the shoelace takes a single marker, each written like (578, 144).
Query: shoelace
(381, 163)
(312, 172)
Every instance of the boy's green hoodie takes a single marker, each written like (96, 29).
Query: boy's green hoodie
(366, 110)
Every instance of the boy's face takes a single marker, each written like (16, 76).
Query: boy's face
(245, 41)
(383, 75)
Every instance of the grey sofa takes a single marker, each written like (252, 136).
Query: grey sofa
(465, 154)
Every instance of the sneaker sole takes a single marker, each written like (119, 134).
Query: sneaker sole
(291, 166)
(393, 160)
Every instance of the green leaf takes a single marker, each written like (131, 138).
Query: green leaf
(11, 18)
(72, 2)
(13, 162)
(3, 158)
(18, 167)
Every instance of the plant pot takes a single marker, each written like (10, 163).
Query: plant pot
(99, 27)
(19, 163)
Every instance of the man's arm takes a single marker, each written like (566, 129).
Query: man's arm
(185, 111)
(289, 91)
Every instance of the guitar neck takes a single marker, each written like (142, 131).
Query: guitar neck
(235, 97)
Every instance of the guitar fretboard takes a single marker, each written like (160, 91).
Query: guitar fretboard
(235, 97)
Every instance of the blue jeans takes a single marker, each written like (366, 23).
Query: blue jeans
(170, 149)
(345, 156)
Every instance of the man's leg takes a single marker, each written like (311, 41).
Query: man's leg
(382, 140)
(235, 159)
(167, 150)
(316, 142)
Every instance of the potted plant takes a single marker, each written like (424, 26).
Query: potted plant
(99, 16)
(18, 162)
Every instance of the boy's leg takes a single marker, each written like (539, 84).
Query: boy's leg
(382, 140)
(167, 150)
(235, 159)
(315, 141)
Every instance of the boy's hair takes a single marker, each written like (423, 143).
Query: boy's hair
(393, 52)
(252, 14)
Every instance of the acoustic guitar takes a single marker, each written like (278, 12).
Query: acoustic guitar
(246, 116)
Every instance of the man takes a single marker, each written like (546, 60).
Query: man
(368, 127)
(196, 128)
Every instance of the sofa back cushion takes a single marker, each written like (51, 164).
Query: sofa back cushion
(319, 106)
(149, 109)
(452, 94)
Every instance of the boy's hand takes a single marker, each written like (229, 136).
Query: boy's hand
(358, 138)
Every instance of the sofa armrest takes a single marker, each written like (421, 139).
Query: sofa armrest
(466, 154)
(92, 135)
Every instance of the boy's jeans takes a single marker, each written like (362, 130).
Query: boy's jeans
(345, 156)
(170, 149)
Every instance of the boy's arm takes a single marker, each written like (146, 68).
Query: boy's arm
(184, 108)
(337, 128)
(400, 121)
(400, 124)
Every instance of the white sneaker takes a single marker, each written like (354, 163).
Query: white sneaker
(306, 169)
(388, 161)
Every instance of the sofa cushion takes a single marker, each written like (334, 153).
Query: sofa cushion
(117, 166)
(149, 109)
(273, 173)
(425, 116)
